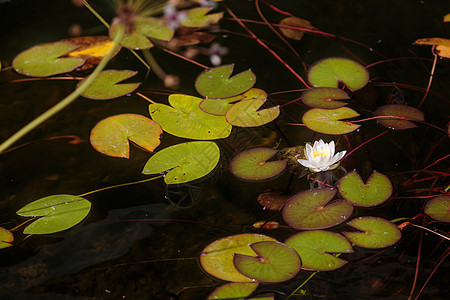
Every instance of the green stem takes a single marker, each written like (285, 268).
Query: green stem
(69, 99)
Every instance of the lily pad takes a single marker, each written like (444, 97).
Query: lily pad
(217, 83)
(329, 72)
(324, 97)
(377, 233)
(217, 258)
(439, 208)
(46, 60)
(6, 238)
(234, 290)
(57, 212)
(404, 114)
(111, 136)
(375, 191)
(198, 17)
(186, 119)
(105, 85)
(316, 247)
(245, 113)
(252, 164)
(185, 162)
(328, 121)
(276, 262)
(311, 210)
(144, 28)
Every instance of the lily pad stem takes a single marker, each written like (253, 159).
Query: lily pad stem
(69, 99)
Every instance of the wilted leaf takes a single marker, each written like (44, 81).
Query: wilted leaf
(442, 45)
(294, 22)
(106, 86)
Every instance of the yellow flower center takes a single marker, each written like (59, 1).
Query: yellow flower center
(321, 153)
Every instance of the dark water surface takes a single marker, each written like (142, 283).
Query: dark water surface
(135, 243)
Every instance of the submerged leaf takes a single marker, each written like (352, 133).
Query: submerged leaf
(186, 119)
(217, 83)
(185, 162)
(57, 212)
(328, 121)
(111, 136)
(47, 59)
(106, 86)
(294, 22)
(402, 116)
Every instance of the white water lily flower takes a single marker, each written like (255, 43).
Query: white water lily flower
(320, 157)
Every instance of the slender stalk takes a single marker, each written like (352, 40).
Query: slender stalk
(66, 101)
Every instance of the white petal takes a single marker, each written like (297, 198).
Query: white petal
(305, 163)
(309, 151)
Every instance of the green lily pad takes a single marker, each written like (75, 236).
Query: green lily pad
(329, 72)
(315, 248)
(375, 191)
(404, 115)
(198, 17)
(327, 121)
(217, 83)
(144, 28)
(324, 97)
(252, 164)
(439, 208)
(105, 85)
(217, 258)
(185, 162)
(57, 212)
(245, 113)
(111, 136)
(234, 290)
(186, 119)
(378, 233)
(276, 262)
(309, 210)
(46, 60)
(6, 238)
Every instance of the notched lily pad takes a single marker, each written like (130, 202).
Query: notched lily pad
(439, 208)
(186, 119)
(217, 258)
(198, 17)
(111, 136)
(324, 97)
(252, 164)
(329, 72)
(328, 121)
(403, 116)
(375, 191)
(106, 86)
(316, 247)
(234, 290)
(217, 83)
(185, 162)
(57, 212)
(245, 113)
(276, 262)
(6, 238)
(377, 233)
(47, 59)
(311, 210)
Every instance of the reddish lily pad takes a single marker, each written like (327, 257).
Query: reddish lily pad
(377, 233)
(186, 119)
(185, 162)
(57, 212)
(439, 208)
(309, 210)
(329, 72)
(324, 97)
(316, 247)
(217, 83)
(217, 258)
(6, 238)
(111, 136)
(328, 121)
(252, 164)
(106, 86)
(198, 17)
(294, 22)
(276, 262)
(234, 290)
(46, 60)
(245, 113)
(402, 116)
(375, 191)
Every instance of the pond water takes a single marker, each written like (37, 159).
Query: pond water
(143, 241)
